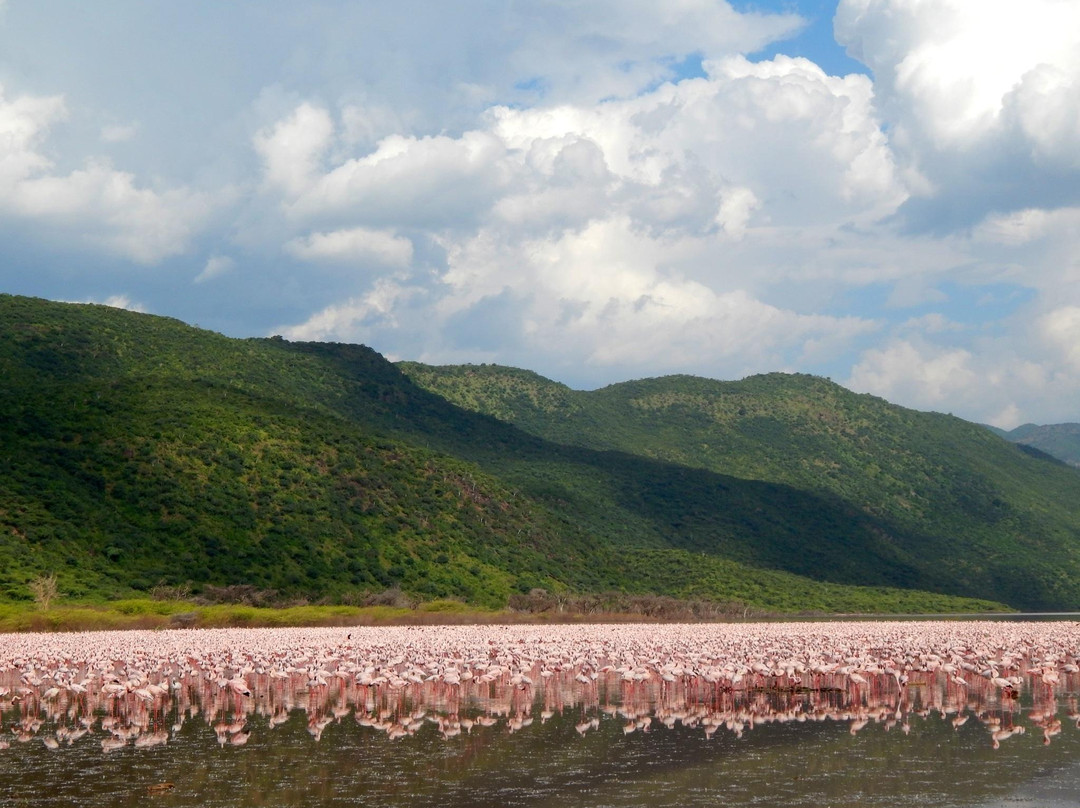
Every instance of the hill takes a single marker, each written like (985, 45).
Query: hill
(1057, 440)
(930, 500)
(136, 450)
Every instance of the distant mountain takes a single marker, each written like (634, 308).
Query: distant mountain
(1057, 440)
(136, 450)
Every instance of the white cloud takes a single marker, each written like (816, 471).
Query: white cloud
(565, 204)
(115, 301)
(24, 122)
(97, 203)
(957, 63)
(1060, 328)
(356, 318)
(779, 140)
(355, 245)
(580, 53)
(1036, 248)
(736, 207)
(606, 235)
(366, 124)
(612, 297)
(983, 100)
(1015, 228)
(216, 265)
(1045, 107)
(429, 181)
(1022, 227)
(292, 150)
(933, 323)
(806, 146)
(914, 289)
(903, 372)
(1000, 381)
(123, 302)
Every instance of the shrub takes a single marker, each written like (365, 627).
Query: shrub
(537, 600)
(165, 592)
(389, 597)
(241, 594)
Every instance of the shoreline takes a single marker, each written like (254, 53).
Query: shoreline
(162, 615)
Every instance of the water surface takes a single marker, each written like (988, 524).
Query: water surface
(319, 730)
(767, 748)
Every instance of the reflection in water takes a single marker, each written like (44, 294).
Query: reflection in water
(144, 714)
(509, 726)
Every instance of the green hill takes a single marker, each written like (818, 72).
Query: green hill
(931, 501)
(1057, 440)
(136, 450)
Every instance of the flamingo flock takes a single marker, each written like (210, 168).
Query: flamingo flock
(137, 688)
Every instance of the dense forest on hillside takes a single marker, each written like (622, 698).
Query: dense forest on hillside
(137, 451)
(944, 498)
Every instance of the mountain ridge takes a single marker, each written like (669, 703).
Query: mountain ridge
(930, 471)
(139, 450)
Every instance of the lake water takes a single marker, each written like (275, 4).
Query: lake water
(554, 741)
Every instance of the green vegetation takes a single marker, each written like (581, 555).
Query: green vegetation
(1057, 440)
(140, 454)
(879, 494)
(142, 613)
(790, 595)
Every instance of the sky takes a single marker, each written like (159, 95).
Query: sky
(883, 192)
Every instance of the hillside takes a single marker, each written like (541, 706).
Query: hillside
(1057, 440)
(136, 450)
(945, 501)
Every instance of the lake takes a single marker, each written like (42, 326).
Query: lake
(545, 716)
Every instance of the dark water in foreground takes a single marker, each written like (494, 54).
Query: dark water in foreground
(611, 746)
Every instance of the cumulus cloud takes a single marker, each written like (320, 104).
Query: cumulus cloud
(604, 297)
(430, 182)
(609, 296)
(616, 188)
(292, 149)
(997, 379)
(906, 372)
(982, 106)
(638, 41)
(736, 206)
(983, 100)
(355, 245)
(1035, 248)
(357, 318)
(24, 122)
(782, 127)
(603, 234)
(97, 203)
(780, 140)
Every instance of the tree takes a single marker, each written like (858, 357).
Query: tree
(44, 591)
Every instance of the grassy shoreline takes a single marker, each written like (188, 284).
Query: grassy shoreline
(154, 614)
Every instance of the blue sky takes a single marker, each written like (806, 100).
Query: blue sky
(814, 40)
(873, 190)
